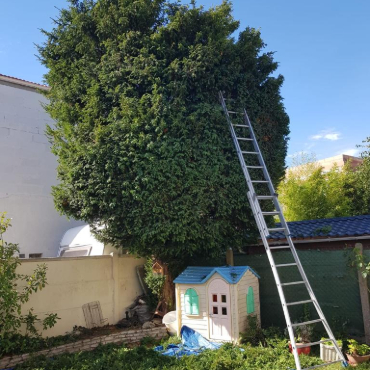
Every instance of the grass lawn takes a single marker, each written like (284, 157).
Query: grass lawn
(114, 357)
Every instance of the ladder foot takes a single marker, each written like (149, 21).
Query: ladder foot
(345, 364)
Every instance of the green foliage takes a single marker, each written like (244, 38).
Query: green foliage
(254, 334)
(148, 341)
(307, 192)
(339, 342)
(155, 282)
(229, 357)
(323, 230)
(360, 179)
(360, 262)
(19, 344)
(358, 349)
(142, 143)
(15, 290)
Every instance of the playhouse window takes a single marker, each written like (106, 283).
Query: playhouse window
(191, 302)
(250, 300)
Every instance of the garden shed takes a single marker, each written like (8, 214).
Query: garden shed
(215, 301)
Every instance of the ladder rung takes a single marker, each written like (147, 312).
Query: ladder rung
(307, 322)
(241, 126)
(244, 138)
(322, 365)
(299, 302)
(233, 112)
(293, 283)
(312, 343)
(275, 229)
(281, 247)
(261, 182)
(244, 152)
(286, 264)
(254, 166)
(262, 197)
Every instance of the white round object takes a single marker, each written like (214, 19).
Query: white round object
(170, 320)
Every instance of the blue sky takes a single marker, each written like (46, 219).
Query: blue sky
(322, 47)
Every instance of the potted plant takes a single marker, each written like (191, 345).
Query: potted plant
(302, 336)
(357, 353)
(328, 352)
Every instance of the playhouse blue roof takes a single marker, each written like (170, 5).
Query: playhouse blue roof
(200, 274)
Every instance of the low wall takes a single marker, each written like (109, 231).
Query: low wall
(72, 282)
(126, 336)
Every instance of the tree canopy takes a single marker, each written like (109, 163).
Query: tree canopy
(142, 143)
(307, 192)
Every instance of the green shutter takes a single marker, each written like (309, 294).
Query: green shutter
(194, 303)
(250, 300)
(191, 302)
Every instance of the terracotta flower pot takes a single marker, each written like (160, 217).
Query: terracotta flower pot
(304, 350)
(354, 359)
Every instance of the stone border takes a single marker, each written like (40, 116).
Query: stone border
(126, 336)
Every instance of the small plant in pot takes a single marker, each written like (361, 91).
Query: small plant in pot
(302, 336)
(327, 350)
(357, 353)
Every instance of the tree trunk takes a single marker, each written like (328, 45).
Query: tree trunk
(168, 289)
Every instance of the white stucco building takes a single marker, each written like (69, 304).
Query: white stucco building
(28, 170)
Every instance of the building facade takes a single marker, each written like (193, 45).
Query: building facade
(28, 170)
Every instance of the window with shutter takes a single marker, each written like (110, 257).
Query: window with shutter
(191, 302)
(250, 300)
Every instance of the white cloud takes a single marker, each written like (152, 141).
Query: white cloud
(326, 135)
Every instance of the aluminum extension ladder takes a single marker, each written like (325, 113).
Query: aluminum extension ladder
(242, 133)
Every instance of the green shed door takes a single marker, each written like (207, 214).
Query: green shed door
(250, 300)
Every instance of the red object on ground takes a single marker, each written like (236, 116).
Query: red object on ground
(304, 350)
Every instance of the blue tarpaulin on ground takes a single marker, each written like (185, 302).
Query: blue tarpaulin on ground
(192, 344)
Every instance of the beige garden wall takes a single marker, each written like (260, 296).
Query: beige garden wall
(72, 282)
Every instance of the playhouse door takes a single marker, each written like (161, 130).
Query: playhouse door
(219, 310)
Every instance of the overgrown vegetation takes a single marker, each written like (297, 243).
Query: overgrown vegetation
(142, 143)
(307, 192)
(112, 357)
(15, 291)
(154, 281)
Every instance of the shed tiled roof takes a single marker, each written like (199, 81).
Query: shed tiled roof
(327, 227)
(200, 274)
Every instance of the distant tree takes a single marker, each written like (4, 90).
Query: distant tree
(142, 144)
(307, 192)
(361, 182)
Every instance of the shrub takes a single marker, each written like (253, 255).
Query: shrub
(15, 290)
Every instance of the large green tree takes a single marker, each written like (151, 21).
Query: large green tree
(142, 143)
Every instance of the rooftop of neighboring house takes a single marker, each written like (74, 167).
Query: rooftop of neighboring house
(17, 82)
(339, 160)
(328, 228)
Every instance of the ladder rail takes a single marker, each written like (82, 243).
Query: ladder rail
(289, 239)
(264, 232)
(243, 165)
(266, 174)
